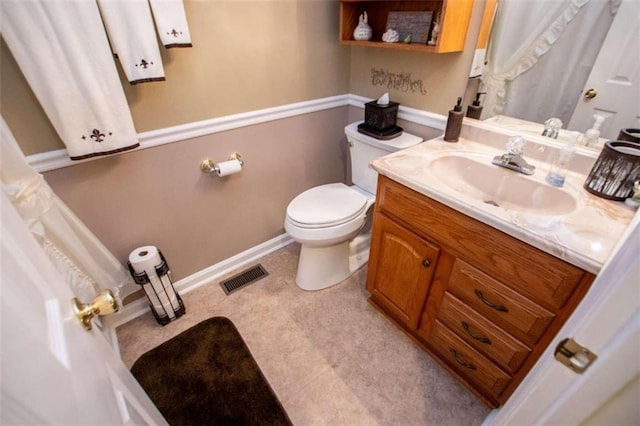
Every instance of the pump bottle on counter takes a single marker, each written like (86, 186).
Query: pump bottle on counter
(454, 123)
(475, 109)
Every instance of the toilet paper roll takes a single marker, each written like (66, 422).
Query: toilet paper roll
(160, 291)
(226, 168)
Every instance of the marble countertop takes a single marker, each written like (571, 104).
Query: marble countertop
(584, 237)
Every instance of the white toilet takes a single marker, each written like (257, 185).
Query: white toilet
(330, 221)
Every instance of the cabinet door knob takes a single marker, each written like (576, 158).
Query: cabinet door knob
(426, 263)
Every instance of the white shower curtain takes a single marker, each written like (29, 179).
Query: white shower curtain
(540, 55)
(81, 258)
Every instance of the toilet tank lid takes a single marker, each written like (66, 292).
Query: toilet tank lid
(405, 140)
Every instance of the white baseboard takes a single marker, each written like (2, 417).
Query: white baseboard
(205, 276)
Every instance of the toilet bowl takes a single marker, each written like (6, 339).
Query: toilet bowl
(332, 222)
(324, 220)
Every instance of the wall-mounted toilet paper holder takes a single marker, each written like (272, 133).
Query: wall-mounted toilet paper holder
(208, 166)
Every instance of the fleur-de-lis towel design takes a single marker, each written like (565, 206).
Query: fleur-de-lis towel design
(171, 23)
(130, 28)
(63, 52)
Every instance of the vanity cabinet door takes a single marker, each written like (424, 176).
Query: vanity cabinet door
(401, 267)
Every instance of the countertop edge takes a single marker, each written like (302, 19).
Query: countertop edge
(564, 253)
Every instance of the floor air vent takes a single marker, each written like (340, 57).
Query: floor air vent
(243, 279)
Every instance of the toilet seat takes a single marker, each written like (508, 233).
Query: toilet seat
(326, 206)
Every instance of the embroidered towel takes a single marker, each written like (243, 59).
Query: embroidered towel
(171, 23)
(64, 54)
(133, 39)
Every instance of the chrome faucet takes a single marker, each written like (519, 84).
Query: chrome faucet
(513, 159)
(552, 128)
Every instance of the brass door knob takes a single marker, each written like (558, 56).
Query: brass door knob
(590, 94)
(104, 303)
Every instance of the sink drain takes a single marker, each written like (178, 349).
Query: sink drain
(493, 203)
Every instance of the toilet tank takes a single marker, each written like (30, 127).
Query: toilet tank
(364, 149)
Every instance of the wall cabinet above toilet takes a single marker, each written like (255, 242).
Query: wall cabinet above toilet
(452, 17)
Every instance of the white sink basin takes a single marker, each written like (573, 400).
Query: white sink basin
(474, 176)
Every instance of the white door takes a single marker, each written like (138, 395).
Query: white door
(615, 77)
(53, 371)
(607, 322)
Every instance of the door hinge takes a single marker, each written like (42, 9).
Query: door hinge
(573, 355)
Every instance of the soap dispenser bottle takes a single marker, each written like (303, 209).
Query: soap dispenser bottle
(475, 109)
(559, 167)
(454, 123)
(592, 136)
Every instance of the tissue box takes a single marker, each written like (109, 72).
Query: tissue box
(380, 117)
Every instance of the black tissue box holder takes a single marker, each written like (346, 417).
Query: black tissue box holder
(380, 117)
(380, 120)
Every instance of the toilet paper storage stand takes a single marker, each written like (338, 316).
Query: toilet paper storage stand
(208, 166)
(163, 273)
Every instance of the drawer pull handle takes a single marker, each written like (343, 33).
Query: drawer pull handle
(489, 304)
(482, 339)
(426, 263)
(460, 361)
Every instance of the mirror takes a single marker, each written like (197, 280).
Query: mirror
(544, 56)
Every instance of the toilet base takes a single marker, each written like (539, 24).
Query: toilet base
(322, 267)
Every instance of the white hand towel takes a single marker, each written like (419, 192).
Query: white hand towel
(133, 38)
(171, 23)
(64, 54)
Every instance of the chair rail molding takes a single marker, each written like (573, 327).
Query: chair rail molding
(57, 159)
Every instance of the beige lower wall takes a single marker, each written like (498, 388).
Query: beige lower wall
(158, 196)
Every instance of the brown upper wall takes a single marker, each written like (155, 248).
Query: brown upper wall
(246, 55)
(249, 55)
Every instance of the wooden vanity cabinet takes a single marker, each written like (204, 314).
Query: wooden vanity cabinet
(485, 306)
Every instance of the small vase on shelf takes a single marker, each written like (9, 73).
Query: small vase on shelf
(363, 31)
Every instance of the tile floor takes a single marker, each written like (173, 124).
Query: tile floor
(329, 355)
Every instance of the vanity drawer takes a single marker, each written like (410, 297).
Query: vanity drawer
(504, 307)
(467, 362)
(540, 277)
(483, 335)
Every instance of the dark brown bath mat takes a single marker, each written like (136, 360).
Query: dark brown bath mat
(207, 376)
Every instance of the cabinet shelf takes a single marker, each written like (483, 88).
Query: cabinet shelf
(454, 17)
